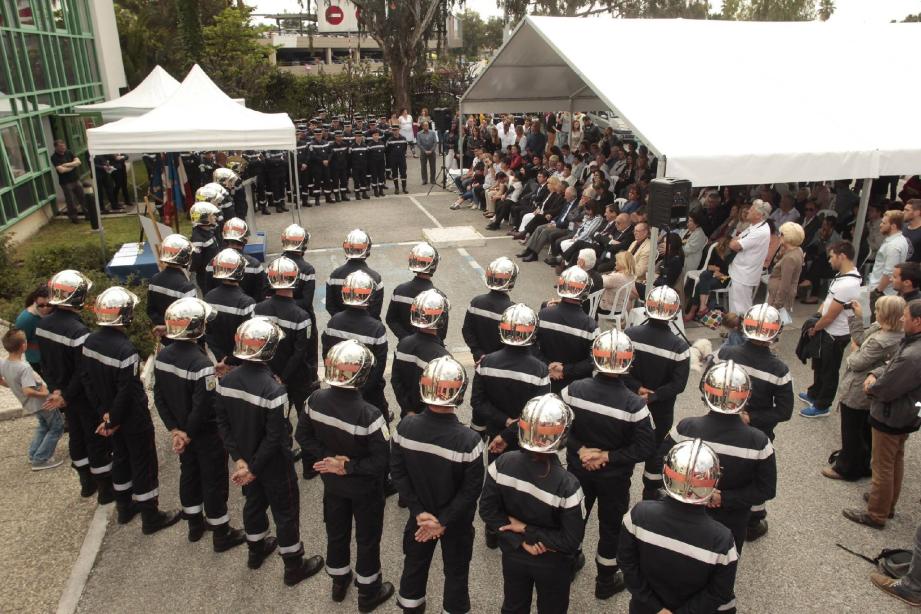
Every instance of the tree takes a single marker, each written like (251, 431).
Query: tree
(233, 56)
(777, 10)
(478, 35)
(188, 16)
(401, 29)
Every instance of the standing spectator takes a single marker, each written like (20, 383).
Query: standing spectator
(833, 329)
(428, 142)
(906, 279)
(406, 129)
(908, 587)
(592, 132)
(536, 141)
(37, 307)
(785, 271)
(895, 392)
(575, 139)
(893, 251)
(786, 212)
(120, 178)
(31, 391)
(912, 229)
(66, 165)
(751, 249)
(873, 347)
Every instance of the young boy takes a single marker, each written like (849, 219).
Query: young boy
(31, 391)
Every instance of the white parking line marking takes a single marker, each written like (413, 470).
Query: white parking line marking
(80, 573)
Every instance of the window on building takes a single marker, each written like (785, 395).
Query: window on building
(36, 61)
(57, 13)
(16, 159)
(26, 17)
(11, 85)
(67, 55)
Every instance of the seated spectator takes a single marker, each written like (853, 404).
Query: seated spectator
(693, 242)
(670, 261)
(640, 249)
(591, 222)
(586, 261)
(783, 279)
(786, 212)
(560, 227)
(714, 277)
(545, 211)
(811, 220)
(818, 269)
(633, 200)
(496, 193)
(873, 347)
(906, 279)
(624, 273)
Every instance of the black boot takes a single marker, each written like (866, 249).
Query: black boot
(125, 509)
(87, 484)
(492, 539)
(390, 488)
(345, 196)
(297, 568)
(756, 530)
(309, 471)
(607, 586)
(196, 526)
(259, 551)
(367, 603)
(329, 198)
(403, 181)
(341, 587)
(104, 493)
(396, 188)
(264, 209)
(316, 201)
(153, 519)
(378, 192)
(224, 537)
(281, 208)
(337, 197)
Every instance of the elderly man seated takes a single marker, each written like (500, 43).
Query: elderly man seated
(561, 226)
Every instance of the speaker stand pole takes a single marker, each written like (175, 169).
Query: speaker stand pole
(654, 240)
(442, 175)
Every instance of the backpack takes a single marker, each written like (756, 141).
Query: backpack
(893, 562)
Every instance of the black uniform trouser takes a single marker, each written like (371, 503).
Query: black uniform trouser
(456, 551)
(120, 184)
(663, 414)
(319, 179)
(825, 369)
(398, 167)
(361, 178)
(305, 179)
(275, 488)
(612, 492)
(203, 478)
(377, 173)
(736, 520)
(134, 468)
(339, 178)
(240, 207)
(87, 449)
(367, 510)
(257, 170)
(275, 184)
(550, 574)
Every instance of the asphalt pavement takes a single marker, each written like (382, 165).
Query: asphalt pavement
(796, 567)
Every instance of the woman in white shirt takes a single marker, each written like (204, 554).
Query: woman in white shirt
(521, 138)
(576, 138)
(406, 129)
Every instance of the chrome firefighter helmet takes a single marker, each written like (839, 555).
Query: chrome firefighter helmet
(443, 382)
(501, 274)
(115, 307)
(612, 352)
(282, 273)
(357, 289)
(69, 288)
(423, 258)
(761, 323)
(235, 229)
(187, 317)
(213, 193)
(357, 244)
(429, 309)
(176, 249)
(257, 339)
(726, 387)
(574, 283)
(348, 364)
(228, 179)
(294, 239)
(691, 471)
(544, 424)
(518, 325)
(204, 214)
(662, 303)
(228, 264)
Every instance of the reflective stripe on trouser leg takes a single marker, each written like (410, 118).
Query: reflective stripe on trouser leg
(255, 504)
(283, 496)
(337, 517)
(212, 475)
(417, 560)
(369, 527)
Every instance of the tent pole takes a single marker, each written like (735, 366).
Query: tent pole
(572, 117)
(134, 182)
(460, 135)
(296, 209)
(862, 213)
(102, 233)
(654, 239)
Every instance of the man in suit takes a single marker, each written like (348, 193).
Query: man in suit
(560, 227)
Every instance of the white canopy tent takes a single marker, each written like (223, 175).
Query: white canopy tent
(197, 117)
(150, 93)
(724, 102)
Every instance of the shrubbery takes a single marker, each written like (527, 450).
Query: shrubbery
(18, 278)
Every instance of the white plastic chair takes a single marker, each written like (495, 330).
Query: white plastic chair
(695, 274)
(594, 299)
(619, 308)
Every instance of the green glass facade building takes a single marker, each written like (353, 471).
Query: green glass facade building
(49, 64)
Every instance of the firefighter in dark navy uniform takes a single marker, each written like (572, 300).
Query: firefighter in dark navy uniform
(205, 245)
(377, 162)
(318, 155)
(437, 465)
(396, 158)
(350, 437)
(481, 322)
(232, 307)
(359, 163)
(171, 283)
(251, 417)
(339, 167)
(357, 248)
(184, 388)
(423, 261)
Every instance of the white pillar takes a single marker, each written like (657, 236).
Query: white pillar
(102, 234)
(862, 213)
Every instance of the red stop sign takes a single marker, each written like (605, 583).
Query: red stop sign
(334, 15)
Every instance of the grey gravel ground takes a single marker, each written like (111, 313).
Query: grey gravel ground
(795, 568)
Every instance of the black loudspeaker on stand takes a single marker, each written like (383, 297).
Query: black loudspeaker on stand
(668, 201)
(442, 119)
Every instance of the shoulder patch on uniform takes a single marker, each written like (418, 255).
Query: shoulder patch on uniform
(210, 382)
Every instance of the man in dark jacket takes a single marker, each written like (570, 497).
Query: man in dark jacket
(357, 248)
(171, 283)
(481, 322)
(423, 261)
(413, 353)
(895, 398)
